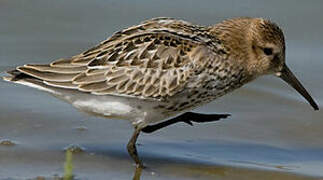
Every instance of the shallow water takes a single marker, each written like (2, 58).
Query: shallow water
(272, 133)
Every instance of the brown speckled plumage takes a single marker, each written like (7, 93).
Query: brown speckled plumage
(178, 64)
(164, 67)
(156, 59)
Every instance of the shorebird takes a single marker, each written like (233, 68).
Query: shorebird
(155, 73)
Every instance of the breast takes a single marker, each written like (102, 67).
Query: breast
(205, 88)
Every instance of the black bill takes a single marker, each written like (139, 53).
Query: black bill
(290, 78)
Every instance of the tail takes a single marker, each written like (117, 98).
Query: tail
(15, 75)
(54, 74)
(19, 77)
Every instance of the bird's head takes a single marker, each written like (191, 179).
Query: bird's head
(259, 46)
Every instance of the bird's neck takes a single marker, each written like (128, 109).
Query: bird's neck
(235, 36)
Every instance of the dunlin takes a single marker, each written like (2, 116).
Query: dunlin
(163, 68)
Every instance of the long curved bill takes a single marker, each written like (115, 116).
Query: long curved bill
(290, 78)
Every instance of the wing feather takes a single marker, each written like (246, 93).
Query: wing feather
(47, 76)
(61, 70)
(152, 60)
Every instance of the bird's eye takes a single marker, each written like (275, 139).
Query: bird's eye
(268, 51)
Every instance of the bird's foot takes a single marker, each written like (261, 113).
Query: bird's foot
(188, 117)
(191, 117)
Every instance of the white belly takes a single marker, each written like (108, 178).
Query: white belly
(140, 112)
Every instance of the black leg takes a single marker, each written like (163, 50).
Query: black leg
(132, 150)
(188, 118)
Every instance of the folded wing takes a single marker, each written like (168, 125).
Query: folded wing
(143, 61)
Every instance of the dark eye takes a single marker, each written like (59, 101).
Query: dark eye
(268, 51)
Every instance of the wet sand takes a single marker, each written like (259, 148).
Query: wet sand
(272, 133)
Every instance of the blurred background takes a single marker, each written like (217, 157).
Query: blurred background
(272, 133)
